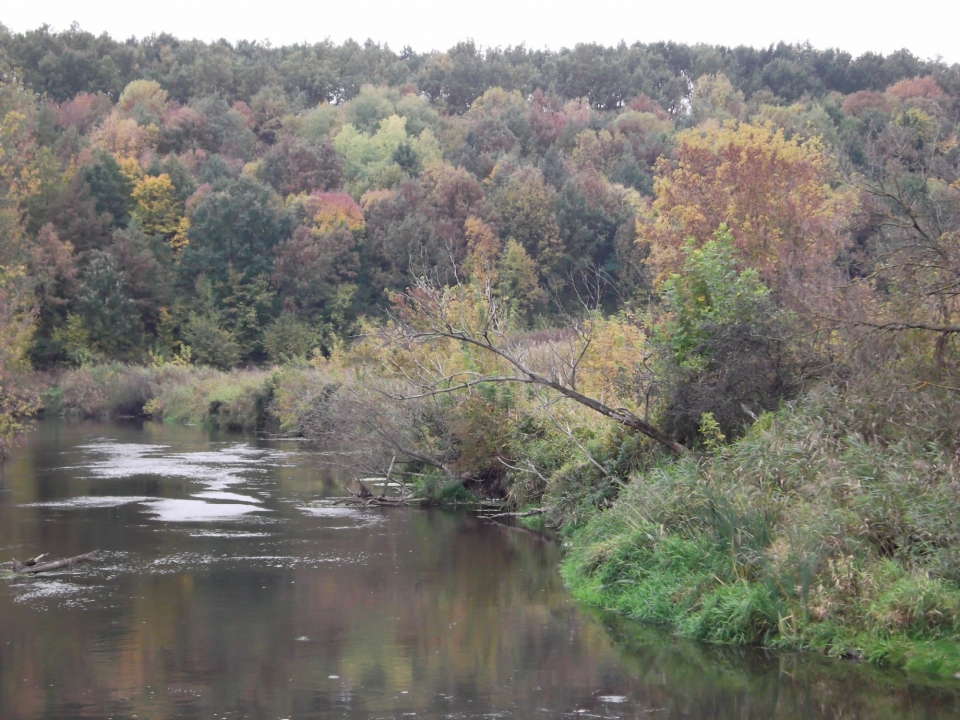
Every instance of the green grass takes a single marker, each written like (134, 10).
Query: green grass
(801, 535)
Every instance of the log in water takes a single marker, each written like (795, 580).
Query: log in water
(32, 567)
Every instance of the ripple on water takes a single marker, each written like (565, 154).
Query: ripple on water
(91, 501)
(179, 562)
(217, 469)
(360, 517)
(230, 534)
(59, 592)
(612, 698)
(172, 510)
(220, 495)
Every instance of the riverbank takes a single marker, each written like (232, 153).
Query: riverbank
(827, 527)
(802, 535)
(428, 612)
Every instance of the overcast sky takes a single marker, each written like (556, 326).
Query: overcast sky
(928, 28)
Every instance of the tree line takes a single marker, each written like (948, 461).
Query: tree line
(221, 205)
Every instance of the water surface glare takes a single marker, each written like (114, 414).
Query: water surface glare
(226, 588)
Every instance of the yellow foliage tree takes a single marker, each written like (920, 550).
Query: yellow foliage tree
(16, 329)
(157, 207)
(714, 96)
(124, 137)
(771, 192)
(518, 280)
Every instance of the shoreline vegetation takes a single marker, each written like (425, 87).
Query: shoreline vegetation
(697, 308)
(820, 529)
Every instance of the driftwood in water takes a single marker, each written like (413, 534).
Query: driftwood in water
(31, 567)
(367, 498)
(374, 501)
(528, 513)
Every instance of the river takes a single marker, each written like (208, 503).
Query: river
(226, 590)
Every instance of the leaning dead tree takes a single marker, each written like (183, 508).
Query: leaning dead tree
(474, 319)
(33, 566)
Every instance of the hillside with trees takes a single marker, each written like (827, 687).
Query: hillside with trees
(695, 305)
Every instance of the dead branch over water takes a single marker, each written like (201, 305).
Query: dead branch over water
(34, 567)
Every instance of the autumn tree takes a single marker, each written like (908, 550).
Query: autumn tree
(481, 327)
(156, 205)
(239, 225)
(773, 195)
(519, 282)
(723, 345)
(316, 267)
(521, 204)
(293, 166)
(16, 327)
(110, 187)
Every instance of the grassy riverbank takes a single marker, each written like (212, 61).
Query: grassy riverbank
(235, 400)
(805, 534)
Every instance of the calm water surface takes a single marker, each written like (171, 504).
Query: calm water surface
(226, 591)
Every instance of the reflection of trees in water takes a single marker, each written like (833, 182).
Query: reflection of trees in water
(713, 681)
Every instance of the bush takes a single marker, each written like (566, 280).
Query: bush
(236, 400)
(724, 348)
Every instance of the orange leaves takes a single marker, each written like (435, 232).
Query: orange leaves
(333, 211)
(918, 87)
(771, 192)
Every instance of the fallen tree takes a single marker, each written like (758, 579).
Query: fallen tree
(34, 567)
(476, 320)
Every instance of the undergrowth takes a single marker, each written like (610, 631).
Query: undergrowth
(804, 534)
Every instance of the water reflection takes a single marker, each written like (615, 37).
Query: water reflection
(224, 589)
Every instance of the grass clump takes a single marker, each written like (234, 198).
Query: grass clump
(92, 391)
(231, 400)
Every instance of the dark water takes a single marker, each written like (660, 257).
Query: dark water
(224, 592)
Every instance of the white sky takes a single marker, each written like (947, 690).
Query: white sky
(928, 28)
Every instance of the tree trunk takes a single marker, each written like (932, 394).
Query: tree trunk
(32, 569)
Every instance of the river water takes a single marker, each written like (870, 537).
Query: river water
(225, 590)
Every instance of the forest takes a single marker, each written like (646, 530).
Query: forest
(694, 306)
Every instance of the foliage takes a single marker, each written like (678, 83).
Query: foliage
(727, 353)
(16, 327)
(771, 193)
(709, 293)
(156, 206)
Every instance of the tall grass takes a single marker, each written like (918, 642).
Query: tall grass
(803, 534)
(237, 400)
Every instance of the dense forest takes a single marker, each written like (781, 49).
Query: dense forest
(254, 202)
(696, 305)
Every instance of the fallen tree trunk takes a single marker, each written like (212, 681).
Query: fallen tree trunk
(30, 567)
(528, 513)
(33, 561)
(373, 501)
